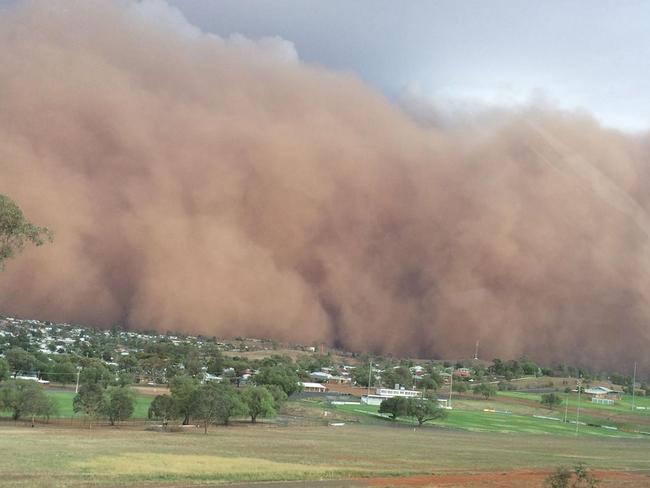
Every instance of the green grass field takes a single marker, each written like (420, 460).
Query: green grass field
(471, 415)
(624, 405)
(64, 405)
(57, 457)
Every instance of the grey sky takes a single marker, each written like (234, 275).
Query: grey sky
(593, 55)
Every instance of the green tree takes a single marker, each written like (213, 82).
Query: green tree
(397, 376)
(551, 400)
(278, 394)
(425, 410)
(259, 402)
(360, 375)
(118, 403)
(26, 398)
(125, 378)
(460, 386)
(16, 230)
(281, 374)
(90, 400)
(394, 407)
(163, 408)
(20, 360)
(215, 363)
(427, 382)
(193, 363)
(64, 372)
(4, 369)
(486, 390)
(217, 402)
(183, 390)
(96, 373)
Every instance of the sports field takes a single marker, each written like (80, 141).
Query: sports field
(496, 415)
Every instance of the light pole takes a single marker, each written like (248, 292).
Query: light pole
(76, 390)
(451, 386)
(578, 410)
(633, 385)
(369, 377)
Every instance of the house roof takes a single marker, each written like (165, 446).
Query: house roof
(307, 384)
(599, 390)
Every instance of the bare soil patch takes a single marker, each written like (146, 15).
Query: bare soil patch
(505, 479)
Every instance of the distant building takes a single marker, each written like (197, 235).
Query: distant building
(463, 372)
(382, 394)
(603, 395)
(320, 376)
(309, 387)
(32, 378)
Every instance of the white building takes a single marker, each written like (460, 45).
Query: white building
(313, 387)
(382, 394)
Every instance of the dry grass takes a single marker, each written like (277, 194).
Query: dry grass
(56, 457)
(149, 465)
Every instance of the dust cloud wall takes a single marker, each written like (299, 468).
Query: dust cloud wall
(220, 186)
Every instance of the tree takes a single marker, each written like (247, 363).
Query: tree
(360, 375)
(95, 373)
(20, 360)
(486, 390)
(425, 409)
(183, 390)
(118, 403)
(278, 394)
(394, 407)
(26, 398)
(428, 383)
(64, 372)
(4, 369)
(460, 387)
(16, 230)
(280, 374)
(259, 402)
(215, 363)
(397, 376)
(551, 400)
(217, 402)
(164, 408)
(90, 400)
(193, 363)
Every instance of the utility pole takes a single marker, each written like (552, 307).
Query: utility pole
(476, 351)
(369, 378)
(76, 390)
(566, 407)
(578, 411)
(451, 386)
(633, 385)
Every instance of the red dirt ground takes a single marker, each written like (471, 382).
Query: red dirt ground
(505, 479)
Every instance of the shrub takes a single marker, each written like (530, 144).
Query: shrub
(579, 477)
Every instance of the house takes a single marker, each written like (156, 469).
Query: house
(320, 376)
(603, 395)
(463, 372)
(309, 387)
(211, 377)
(339, 380)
